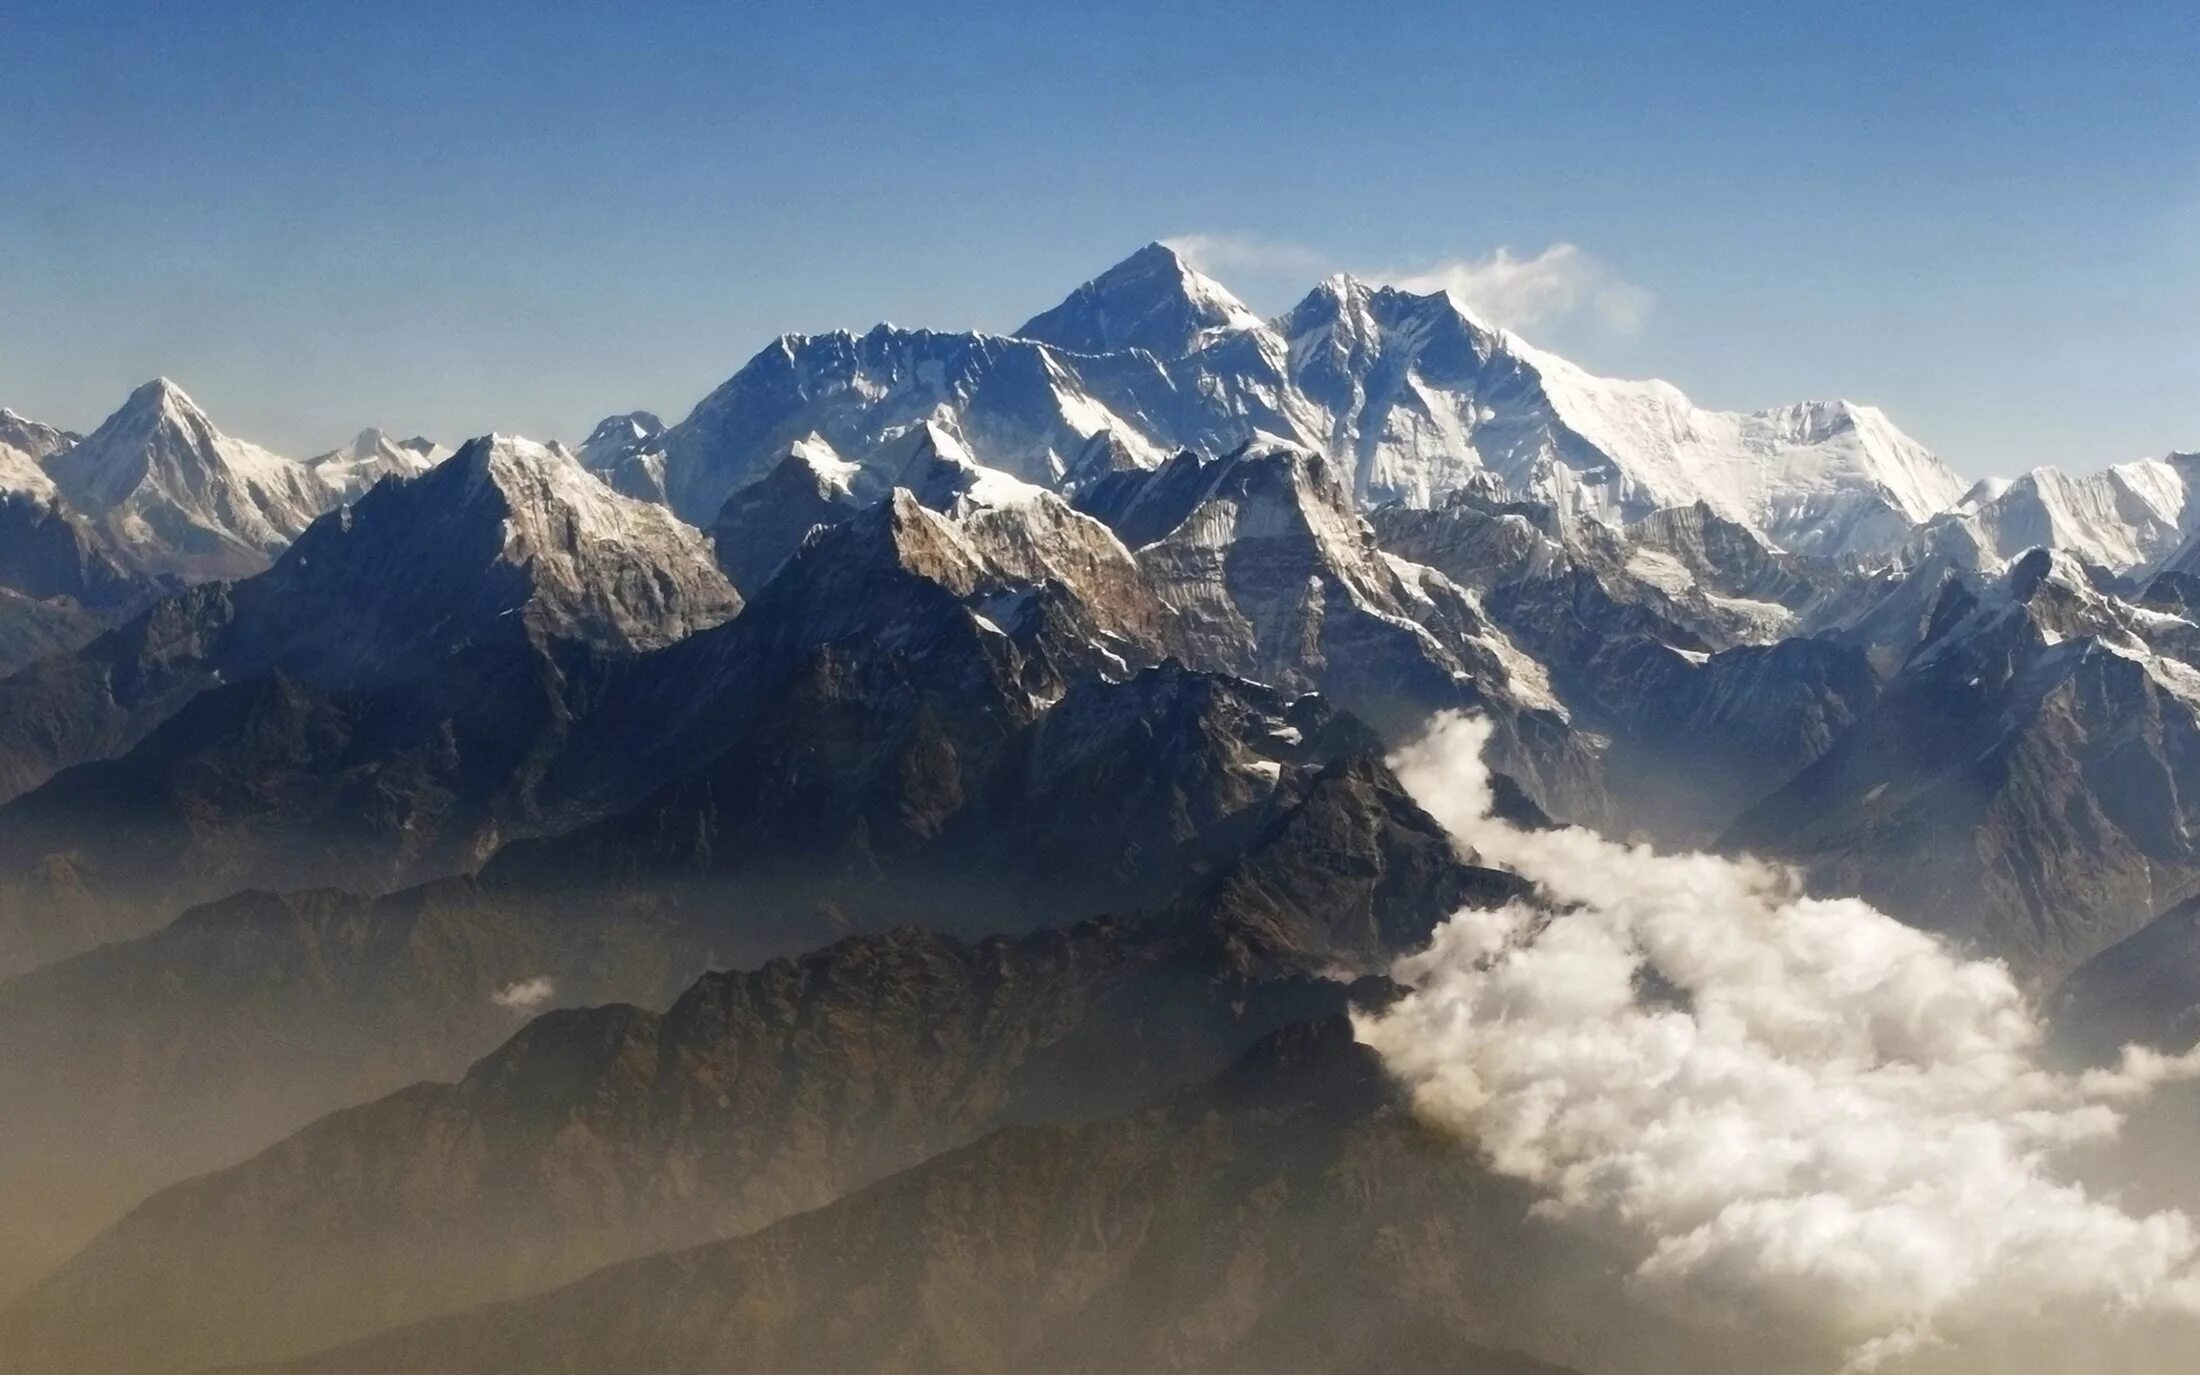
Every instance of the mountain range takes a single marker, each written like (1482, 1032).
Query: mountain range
(880, 873)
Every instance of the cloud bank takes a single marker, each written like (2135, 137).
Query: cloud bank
(1789, 1110)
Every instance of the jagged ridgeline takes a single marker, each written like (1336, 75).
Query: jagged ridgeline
(877, 874)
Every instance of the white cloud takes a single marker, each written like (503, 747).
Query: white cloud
(1793, 1111)
(1519, 293)
(1561, 282)
(525, 995)
(1216, 254)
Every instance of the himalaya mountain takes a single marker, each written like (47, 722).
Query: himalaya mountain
(2128, 516)
(756, 1095)
(1412, 397)
(25, 445)
(1271, 825)
(520, 656)
(178, 495)
(2024, 782)
(169, 495)
(59, 582)
(873, 875)
(378, 705)
(349, 472)
(153, 499)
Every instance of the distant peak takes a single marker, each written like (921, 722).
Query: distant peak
(1154, 254)
(1337, 295)
(630, 424)
(157, 387)
(923, 444)
(1153, 300)
(161, 392)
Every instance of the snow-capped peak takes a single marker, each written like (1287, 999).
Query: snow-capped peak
(626, 452)
(372, 456)
(2127, 516)
(179, 496)
(831, 472)
(615, 436)
(507, 525)
(25, 445)
(931, 462)
(1410, 397)
(2055, 598)
(1152, 300)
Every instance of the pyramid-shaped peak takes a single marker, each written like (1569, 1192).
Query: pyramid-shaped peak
(159, 397)
(159, 390)
(1153, 300)
(624, 428)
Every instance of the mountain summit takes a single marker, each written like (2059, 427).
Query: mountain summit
(179, 496)
(1410, 397)
(504, 528)
(1152, 300)
(25, 445)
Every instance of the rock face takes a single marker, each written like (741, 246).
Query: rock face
(59, 584)
(760, 526)
(1423, 396)
(2019, 783)
(1663, 639)
(506, 543)
(869, 792)
(2144, 990)
(504, 529)
(1020, 407)
(1276, 578)
(1696, 737)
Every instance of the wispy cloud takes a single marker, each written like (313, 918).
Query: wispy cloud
(1223, 253)
(1562, 282)
(525, 995)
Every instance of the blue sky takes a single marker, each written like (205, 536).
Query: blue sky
(455, 217)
